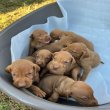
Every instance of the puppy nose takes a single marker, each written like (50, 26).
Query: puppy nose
(21, 85)
(95, 103)
(55, 66)
(48, 39)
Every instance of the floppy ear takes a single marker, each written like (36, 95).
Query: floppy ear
(73, 60)
(85, 54)
(36, 68)
(63, 49)
(54, 54)
(35, 53)
(31, 36)
(8, 69)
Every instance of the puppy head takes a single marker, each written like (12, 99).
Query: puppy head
(56, 34)
(61, 63)
(42, 57)
(24, 73)
(39, 38)
(77, 50)
(83, 93)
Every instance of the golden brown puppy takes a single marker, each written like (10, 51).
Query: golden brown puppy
(70, 37)
(62, 64)
(42, 57)
(56, 86)
(24, 74)
(39, 38)
(86, 58)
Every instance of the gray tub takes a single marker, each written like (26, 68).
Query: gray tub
(36, 17)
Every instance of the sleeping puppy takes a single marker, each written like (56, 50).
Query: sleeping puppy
(38, 38)
(42, 58)
(62, 64)
(71, 37)
(56, 86)
(86, 58)
(24, 74)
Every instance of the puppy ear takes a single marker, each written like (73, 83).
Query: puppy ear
(8, 69)
(35, 53)
(73, 60)
(54, 53)
(85, 54)
(36, 68)
(63, 49)
(31, 36)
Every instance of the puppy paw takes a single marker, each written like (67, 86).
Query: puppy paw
(41, 93)
(38, 92)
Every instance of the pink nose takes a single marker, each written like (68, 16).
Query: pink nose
(21, 84)
(55, 66)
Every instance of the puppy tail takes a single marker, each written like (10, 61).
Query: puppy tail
(101, 62)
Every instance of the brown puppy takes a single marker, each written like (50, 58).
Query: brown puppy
(56, 86)
(62, 64)
(42, 57)
(24, 74)
(86, 58)
(39, 38)
(70, 37)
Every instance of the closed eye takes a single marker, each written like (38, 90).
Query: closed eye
(66, 62)
(28, 74)
(84, 98)
(48, 58)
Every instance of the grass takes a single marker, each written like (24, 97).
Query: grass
(6, 103)
(10, 11)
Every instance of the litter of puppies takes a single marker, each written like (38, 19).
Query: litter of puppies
(54, 67)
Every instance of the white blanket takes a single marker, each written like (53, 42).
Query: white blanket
(89, 18)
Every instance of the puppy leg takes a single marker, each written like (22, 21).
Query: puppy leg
(54, 97)
(76, 73)
(37, 91)
(85, 73)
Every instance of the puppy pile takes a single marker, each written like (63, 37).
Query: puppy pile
(54, 67)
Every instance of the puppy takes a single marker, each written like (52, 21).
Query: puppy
(86, 58)
(62, 64)
(24, 74)
(42, 58)
(38, 39)
(70, 37)
(56, 86)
